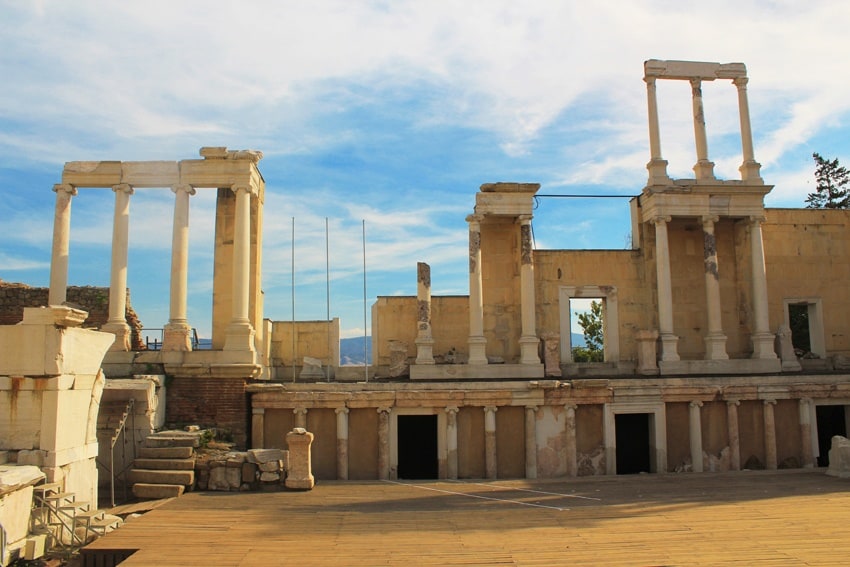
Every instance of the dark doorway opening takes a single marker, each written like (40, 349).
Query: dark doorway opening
(417, 446)
(832, 420)
(633, 448)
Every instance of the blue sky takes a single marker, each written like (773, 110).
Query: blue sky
(392, 113)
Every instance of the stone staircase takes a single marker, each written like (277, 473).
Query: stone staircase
(165, 467)
(65, 522)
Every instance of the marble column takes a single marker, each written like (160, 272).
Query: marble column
(477, 341)
(669, 340)
(762, 338)
(490, 463)
(657, 165)
(117, 322)
(529, 343)
(806, 433)
(258, 424)
(240, 333)
(383, 443)
(300, 417)
(451, 442)
(769, 435)
(61, 244)
(341, 443)
(424, 339)
(177, 334)
(695, 429)
(570, 442)
(734, 435)
(530, 441)
(704, 168)
(715, 340)
(750, 169)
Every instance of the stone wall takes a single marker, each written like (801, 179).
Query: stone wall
(219, 403)
(14, 297)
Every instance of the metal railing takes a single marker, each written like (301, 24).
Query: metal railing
(154, 338)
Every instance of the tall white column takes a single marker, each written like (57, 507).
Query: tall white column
(451, 442)
(806, 432)
(529, 343)
(695, 430)
(383, 443)
(178, 333)
(530, 441)
(117, 322)
(769, 435)
(61, 244)
(490, 462)
(715, 340)
(657, 165)
(734, 434)
(750, 168)
(570, 444)
(477, 341)
(762, 337)
(704, 168)
(424, 340)
(341, 443)
(665, 292)
(240, 334)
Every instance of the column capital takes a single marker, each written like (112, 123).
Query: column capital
(300, 411)
(733, 403)
(341, 411)
(755, 220)
(493, 409)
(696, 85)
(452, 409)
(258, 411)
(123, 188)
(524, 219)
(661, 219)
(532, 408)
(709, 220)
(571, 407)
(247, 188)
(183, 187)
(474, 221)
(650, 81)
(696, 404)
(65, 188)
(805, 401)
(769, 402)
(740, 82)
(383, 410)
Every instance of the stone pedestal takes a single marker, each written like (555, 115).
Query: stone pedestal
(839, 457)
(300, 476)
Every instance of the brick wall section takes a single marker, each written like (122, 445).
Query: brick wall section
(15, 296)
(221, 403)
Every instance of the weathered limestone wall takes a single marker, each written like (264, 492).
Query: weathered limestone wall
(751, 427)
(394, 319)
(788, 443)
(471, 454)
(678, 440)
(501, 294)
(510, 442)
(219, 403)
(363, 444)
(322, 424)
(50, 391)
(314, 339)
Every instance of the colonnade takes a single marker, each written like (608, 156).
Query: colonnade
(177, 335)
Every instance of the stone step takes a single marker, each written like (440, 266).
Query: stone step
(186, 478)
(157, 491)
(165, 464)
(173, 441)
(166, 452)
(105, 524)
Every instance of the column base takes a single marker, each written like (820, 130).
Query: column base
(424, 350)
(715, 347)
(658, 172)
(751, 171)
(763, 346)
(121, 330)
(704, 169)
(669, 344)
(529, 348)
(477, 351)
(177, 337)
(239, 336)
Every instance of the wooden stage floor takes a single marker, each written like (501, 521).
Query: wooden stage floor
(746, 518)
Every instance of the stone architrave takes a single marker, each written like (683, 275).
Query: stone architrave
(300, 475)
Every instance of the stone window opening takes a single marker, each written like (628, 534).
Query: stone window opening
(579, 298)
(804, 316)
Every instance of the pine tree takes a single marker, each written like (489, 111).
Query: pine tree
(832, 180)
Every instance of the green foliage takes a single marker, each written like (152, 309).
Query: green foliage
(832, 180)
(591, 325)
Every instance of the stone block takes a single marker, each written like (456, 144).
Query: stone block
(166, 464)
(272, 466)
(839, 457)
(270, 477)
(234, 477)
(34, 458)
(249, 472)
(264, 455)
(186, 478)
(218, 479)
(157, 491)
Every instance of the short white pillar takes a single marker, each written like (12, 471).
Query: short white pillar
(383, 443)
(695, 430)
(490, 462)
(300, 473)
(341, 443)
(61, 244)
(806, 432)
(451, 442)
(734, 435)
(117, 322)
(477, 341)
(715, 340)
(769, 435)
(530, 441)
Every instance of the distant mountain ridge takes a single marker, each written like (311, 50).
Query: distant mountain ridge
(351, 350)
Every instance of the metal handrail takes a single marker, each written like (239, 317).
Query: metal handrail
(156, 342)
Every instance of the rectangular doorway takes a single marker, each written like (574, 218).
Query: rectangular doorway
(417, 447)
(632, 431)
(831, 421)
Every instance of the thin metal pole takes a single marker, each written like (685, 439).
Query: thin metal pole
(365, 331)
(294, 356)
(328, 295)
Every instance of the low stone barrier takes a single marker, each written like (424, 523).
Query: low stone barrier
(839, 457)
(236, 471)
